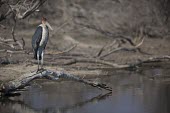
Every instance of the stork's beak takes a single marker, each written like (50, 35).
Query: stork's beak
(49, 26)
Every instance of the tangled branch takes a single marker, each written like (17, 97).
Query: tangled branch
(21, 9)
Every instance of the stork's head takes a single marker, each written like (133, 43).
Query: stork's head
(44, 21)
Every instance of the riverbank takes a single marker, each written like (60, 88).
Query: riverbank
(14, 65)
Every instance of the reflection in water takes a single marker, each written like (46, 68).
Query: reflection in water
(132, 93)
(19, 105)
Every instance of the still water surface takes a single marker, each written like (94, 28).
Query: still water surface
(132, 93)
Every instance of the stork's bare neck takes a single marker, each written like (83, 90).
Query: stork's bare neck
(45, 23)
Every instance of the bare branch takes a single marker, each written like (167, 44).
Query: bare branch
(6, 40)
(13, 30)
(12, 43)
(36, 5)
(100, 51)
(108, 34)
(9, 45)
(17, 8)
(13, 51)
(133, 48)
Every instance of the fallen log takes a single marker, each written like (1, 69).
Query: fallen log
(109, 63)
(152, 60)
(114, 65)
(135, 65)
(24, 80)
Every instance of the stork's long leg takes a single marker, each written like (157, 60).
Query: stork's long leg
(42, 59)
(38, 58)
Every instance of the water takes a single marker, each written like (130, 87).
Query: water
(133, 92)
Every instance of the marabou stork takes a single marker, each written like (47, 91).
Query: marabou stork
(39, 40)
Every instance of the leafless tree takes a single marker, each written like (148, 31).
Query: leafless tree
(16, 10)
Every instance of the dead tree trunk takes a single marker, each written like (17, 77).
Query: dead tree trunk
(25, 79)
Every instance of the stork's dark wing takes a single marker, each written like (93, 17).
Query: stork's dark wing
(37, 38)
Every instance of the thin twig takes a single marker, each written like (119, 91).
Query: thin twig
(100, 51)
(13, 30)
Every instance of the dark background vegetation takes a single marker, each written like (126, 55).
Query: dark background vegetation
(117, 17)
(113, 16)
